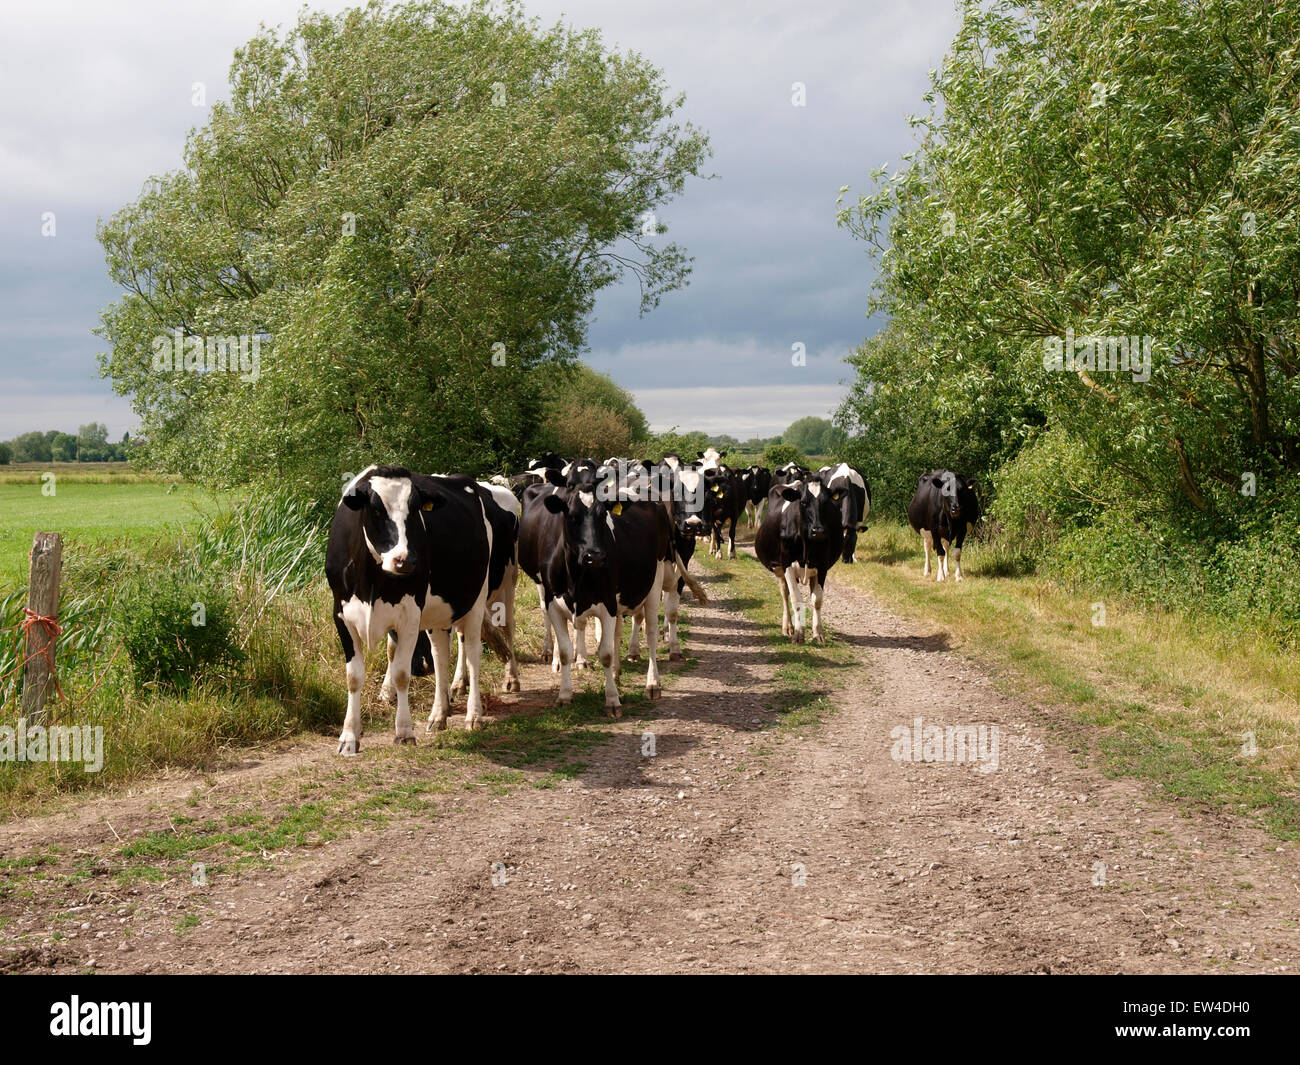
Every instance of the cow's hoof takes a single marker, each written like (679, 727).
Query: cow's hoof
(819, 638)
(348, 745)
(564, 700)
(653, 693)
(675, 656)
(798, 635)
(614, 710)
(634, 657)
(473, 723)
(436, 724)
(457, 692)
(405, 740)
(512, 684)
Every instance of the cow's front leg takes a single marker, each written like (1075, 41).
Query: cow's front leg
(387, 690)
(731, 540)
(956, 561)
(796, 603)
(818, 590)
(440, 639)
(634, 640)
(355, 668)
(786, 628)
(653, 688)
(941, 559)
(507, 603)
(580, 643)
(609, 633)
(925, 546)
(458, 678)
(563, 648)
(672, 611)
(400, 669)
(471, 642)
(548, 632)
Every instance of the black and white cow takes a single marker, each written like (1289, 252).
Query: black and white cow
(498, 620)
(710, 458)
(943, 509)
(408, 552)
(724, 502)
(756, 482)
(664, 488)
(799, 540)
(851, 491)
(597, 559)
(791, 471)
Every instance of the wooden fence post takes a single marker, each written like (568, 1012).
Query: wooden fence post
(42, 602)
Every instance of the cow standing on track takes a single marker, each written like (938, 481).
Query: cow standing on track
(665, 488)
(942, 510)
(756, 482)
(599, 559)
(723, 505)
(851, 491)
(408, 552)
(799, 540)
(499, 617)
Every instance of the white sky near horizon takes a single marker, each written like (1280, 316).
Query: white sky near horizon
(95, 98)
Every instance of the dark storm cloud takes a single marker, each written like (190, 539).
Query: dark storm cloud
(96, 98)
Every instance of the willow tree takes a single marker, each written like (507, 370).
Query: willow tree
(406, 211)
(1110, 169)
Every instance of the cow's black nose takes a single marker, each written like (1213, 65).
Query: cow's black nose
(593, 558)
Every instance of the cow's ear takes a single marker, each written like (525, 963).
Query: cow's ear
(358, 498)
(722, 454)
(699, 454)
(555, 477)
(937, 481)
(555, 504)
(789, 493)
(428, 500)
(970, 484)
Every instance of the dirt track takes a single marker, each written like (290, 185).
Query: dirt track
(687, 861)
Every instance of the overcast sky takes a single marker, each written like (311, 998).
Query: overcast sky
(95, 98)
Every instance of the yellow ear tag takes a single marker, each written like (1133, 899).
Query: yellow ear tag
(427, 506)
(617, 509)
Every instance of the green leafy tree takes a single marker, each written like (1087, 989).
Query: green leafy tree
(31, 447)
(775, 455)
(1124, 169)
(813, 436)
(413, 208)
(64, 448)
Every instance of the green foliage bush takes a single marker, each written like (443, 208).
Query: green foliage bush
(775, 455)
(177, 630)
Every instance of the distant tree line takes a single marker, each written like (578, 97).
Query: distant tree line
(89, 444)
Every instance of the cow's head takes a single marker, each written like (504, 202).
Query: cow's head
(393, 503)
(950, 492)
(692, 515)
(843, 498)
(808, 510)
(717, 485)
(588, 525)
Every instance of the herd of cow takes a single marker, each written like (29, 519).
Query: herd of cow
(413, 556)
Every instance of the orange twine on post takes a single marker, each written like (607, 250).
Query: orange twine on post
(53, 630)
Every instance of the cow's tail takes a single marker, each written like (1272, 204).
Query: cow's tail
(696, 588)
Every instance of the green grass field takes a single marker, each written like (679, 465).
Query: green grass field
(87, 513)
